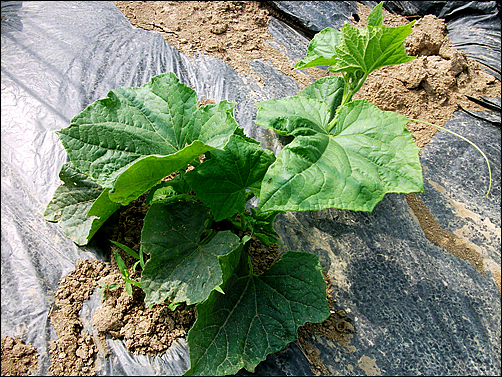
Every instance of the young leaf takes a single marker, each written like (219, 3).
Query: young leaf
(80, 205)
(368, 153)
(262, 225)
(168, 189)
(358, 52)
(127, 249)
(221, 181)
(370, 48)
(182, 267)
(375, 18)
(321, 49)
(257, 315)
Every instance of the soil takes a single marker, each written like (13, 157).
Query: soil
(443, 238)
(235, 31)
(74, 351)
(429, 88)
(337, 327)
(18, 358)
(147, 331)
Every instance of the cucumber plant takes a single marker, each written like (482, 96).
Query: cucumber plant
(122, 147)
(345, 154)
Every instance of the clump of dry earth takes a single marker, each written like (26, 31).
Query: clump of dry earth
(18, 358)
(74, 351)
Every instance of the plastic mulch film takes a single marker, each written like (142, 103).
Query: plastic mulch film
(417, 308)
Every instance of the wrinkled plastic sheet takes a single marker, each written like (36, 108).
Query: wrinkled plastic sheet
(417, 309)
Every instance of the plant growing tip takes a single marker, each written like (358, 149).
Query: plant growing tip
(125, 274)
(106, 289)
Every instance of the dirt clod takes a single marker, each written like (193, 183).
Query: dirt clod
(74, 351)
(18, 358)
(147, 331)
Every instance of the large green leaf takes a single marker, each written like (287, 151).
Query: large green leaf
(221, 181)
(130, 123)
(296, 115)
(305, 114)
(147, 171)
(80, 205)
(136, 127)
(210, 127)
(182, 267)
(328, 90)
(368, 153)
(257, 315)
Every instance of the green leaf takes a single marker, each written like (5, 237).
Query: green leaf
(370, 48)
(135, 137)
(80, 205)
(257, 315)
(213, 124)
(327, 89)
(221, 181)
(262, 225)
(240, 132)
(368, 153)
(127, 249)
(174, 189)
(121, 265)
(147, 171)
(297, 115)
(160, 192)
(182, 267)
(375, 18)
(358, 50)
(129, 124)
(321, 49)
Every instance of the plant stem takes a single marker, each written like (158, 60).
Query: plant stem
(209, 237)
(467, 140)
(347, 95)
